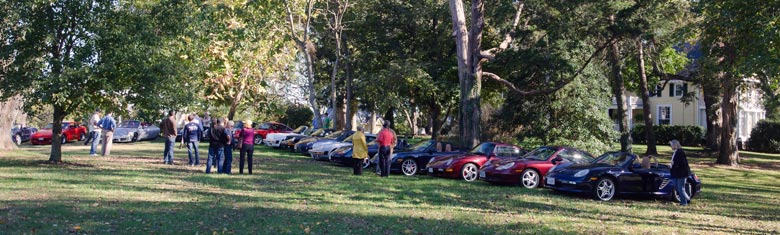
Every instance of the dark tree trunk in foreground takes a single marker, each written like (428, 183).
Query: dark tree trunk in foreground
(729, 155)
(618, 89)
(710, 92)
(649, 130)
(56, 140)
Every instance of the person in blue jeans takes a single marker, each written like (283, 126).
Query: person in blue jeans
(218, 138)
(168, 128)
(94, 133)
(191, 136)
(680, 171)
(228, 162)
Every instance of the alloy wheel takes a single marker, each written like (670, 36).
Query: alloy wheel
(64, 139)
(409, 167)
(605, 189)
(530, 178)
(258, 140)
(469, 172)
(18, 139)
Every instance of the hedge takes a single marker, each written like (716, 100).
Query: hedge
(687, 135)
(765, 137)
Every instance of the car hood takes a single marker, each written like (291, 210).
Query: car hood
(274, 136)
(328, 145)
(42, 133)
(123, 130)
(572, 169)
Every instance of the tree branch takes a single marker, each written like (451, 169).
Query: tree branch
(490, 54)
(512, 87)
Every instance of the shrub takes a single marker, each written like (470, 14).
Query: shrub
(687, 135)
(765, 137)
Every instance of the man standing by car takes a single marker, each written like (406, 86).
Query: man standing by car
(679, 171)
(359, 151)
(94, 133)
(386, 141)
(108, 125)
(191, 134)
(218, 138)
(168, 128)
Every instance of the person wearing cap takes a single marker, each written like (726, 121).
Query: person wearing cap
(359, 151)
(168, 128)
(679, 171)
(386, 140)
(246, 141)
(94, 133)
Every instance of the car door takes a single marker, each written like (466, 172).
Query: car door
(631, 178)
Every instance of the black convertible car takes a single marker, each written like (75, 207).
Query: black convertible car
(616, 173)
(22, 134)
(413, 159)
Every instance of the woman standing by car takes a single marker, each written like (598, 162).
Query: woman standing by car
(680, 171)
(246, 140)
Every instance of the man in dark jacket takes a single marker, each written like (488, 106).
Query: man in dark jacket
(168, 128)
(680, 171)
(191, 136)
(218, 138)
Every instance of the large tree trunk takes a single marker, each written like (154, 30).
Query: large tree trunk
(340, 121)
(11, 111)
(469, 69)
(56, 140)
(710, 93)
(312, 93)
(729, 155)
(649, 130)
(618, 91)
(435, 128)
(348, 68)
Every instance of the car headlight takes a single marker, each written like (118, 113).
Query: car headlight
(505, 166)
(582, 173)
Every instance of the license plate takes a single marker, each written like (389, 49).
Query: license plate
(550, 181)
(482, 174)
(41, 139)
(430, 170)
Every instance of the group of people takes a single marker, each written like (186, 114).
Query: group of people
(221, 142)
(101, 127)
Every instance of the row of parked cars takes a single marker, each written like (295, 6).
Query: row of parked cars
(126, 131)
(559, 168)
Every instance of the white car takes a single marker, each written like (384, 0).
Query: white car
(321, 150)
(274, 139)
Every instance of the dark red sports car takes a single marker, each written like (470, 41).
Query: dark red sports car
(71, 131)
(466, 166)
(529, 169)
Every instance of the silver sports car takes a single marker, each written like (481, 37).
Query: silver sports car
(132, 131)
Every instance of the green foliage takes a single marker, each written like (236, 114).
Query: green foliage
(297, 115)
(687, 135)
(765, 137)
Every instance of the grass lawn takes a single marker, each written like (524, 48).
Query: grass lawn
(133, 193)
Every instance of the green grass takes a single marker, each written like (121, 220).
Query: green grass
(133, 193)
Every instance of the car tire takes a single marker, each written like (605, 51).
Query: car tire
(530, 178)
(409, 167)
(469, 172)
(134, 139)
(64, 139)
(604, 189)
(82, 137)
(688, 189)
(366, 163)
(258, 140)
(18, 139)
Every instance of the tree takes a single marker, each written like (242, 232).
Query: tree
(740, 40)
(300, 20)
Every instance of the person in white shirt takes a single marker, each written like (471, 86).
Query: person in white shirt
(94, 133)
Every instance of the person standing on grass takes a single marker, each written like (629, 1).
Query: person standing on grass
(246, 147)
(168, 128)
(191, 136)
(680, 171)
(107, 125)
(386, 141)
(94, 133)
(227, 164)
(218, 138)
(359, 151)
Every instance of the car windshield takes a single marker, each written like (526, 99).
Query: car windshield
(264, 126)
(129, 124)
(317, 132)
(422, 146)
(344, 135)
(334, 135)
(541, 153)
(51, 125)
(349, 139)
(613, 159)
(483, 149)
(300, 129)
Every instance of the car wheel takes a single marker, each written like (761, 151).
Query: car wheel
(135, 138)
(258, 140)
(604, 190)
(530, 178)
(688, 189)
(64, 139)
(18, 139)
(82, 137)
(409, 167)
(366, 163)
(469, 172)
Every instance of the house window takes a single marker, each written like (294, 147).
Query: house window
(664, 115)
(679, 89)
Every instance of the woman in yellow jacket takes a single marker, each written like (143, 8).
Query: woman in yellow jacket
(359, 151)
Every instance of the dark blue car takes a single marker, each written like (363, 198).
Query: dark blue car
(413, 160)
(618, 173)
(343, 155)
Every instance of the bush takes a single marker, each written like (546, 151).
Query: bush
(295, 116)
(687, 135)
(765, 137)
